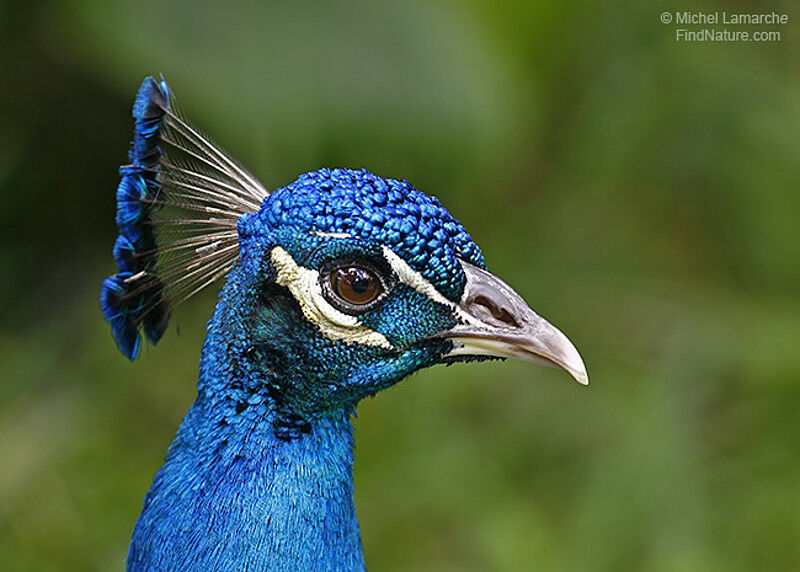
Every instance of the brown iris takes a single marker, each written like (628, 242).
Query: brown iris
(355, 285)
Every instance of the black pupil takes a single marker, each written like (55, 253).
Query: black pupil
(359, 280)
(355, 285)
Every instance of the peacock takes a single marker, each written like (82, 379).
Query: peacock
(337, 286)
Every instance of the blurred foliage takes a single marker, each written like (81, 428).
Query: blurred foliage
(644, 194)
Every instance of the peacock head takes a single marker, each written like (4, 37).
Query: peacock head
(338, 285)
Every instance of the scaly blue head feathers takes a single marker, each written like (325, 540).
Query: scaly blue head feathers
(388, 212)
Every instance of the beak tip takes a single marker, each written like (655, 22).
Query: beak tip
(571, 361)
(530, 337)
(581, 376)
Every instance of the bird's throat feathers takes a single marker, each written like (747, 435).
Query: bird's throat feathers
(257, 456)
(234, 491)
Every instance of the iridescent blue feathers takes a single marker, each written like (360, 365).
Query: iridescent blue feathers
(360, 204)
(178, 202)
(181, 199)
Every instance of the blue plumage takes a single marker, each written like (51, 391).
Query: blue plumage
(125, 255)
(149, 108)
(337, 286)
(128, 301)
(131, 205)
(116, 309)
(393, 213)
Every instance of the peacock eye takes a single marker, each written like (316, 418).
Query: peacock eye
(356, 285)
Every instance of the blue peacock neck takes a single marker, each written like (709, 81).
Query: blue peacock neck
(241, 489)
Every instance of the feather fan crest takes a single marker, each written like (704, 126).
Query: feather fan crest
(178, 204)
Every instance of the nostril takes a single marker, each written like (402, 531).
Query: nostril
(497, 312)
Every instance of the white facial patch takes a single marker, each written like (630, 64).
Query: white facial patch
(304, 285)
(331, 234)
(417, 281)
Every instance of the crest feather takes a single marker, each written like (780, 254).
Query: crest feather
(178, 203)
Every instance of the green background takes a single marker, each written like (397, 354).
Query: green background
(642, 194)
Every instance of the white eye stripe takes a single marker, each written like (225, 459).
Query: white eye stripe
(331, 234)
(304, 285)
(417, 281)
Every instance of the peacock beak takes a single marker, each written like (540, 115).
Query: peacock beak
(498, 322)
